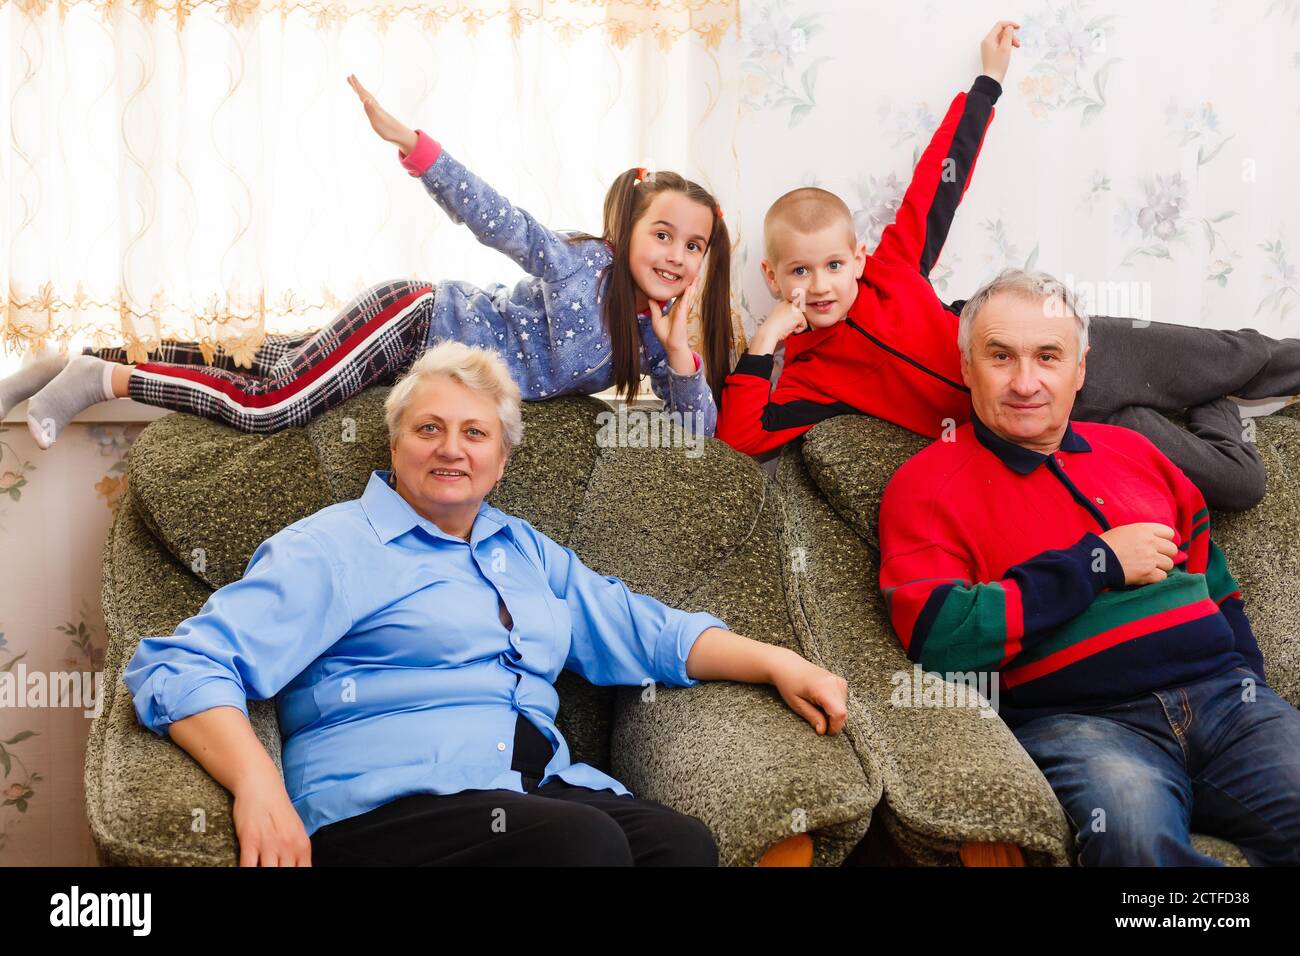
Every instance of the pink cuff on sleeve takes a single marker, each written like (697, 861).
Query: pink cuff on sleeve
(425, 154)
(697, 360)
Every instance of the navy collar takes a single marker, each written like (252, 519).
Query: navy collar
(391, 516)
(1018, 458)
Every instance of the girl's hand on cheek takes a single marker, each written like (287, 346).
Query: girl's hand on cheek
(671, 329)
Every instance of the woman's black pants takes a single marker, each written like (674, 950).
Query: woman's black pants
(555, 825)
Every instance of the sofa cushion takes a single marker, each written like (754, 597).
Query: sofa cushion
(212, 495)
(1262, 546)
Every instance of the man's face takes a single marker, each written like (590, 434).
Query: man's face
(1024, 369)
(824, 264)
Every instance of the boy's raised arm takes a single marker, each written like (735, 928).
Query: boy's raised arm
(918, 232)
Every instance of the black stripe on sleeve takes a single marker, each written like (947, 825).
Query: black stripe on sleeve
(802, 412)
(760, 365)
(961, 151)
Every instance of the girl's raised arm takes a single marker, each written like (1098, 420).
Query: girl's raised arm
(467, 199)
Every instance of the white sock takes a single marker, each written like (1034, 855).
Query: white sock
(85, 381)
(29, 380)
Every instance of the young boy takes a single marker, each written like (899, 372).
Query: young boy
(867, 333)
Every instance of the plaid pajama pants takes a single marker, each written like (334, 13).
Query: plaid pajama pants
(373, 340)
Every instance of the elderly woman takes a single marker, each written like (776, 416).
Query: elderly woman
(412, 638)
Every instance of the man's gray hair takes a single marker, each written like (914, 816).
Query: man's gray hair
(478, 369)
(1030, 285)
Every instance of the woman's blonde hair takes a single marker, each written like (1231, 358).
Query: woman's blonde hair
(478, 369)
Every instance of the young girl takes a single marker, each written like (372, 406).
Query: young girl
(588, 316)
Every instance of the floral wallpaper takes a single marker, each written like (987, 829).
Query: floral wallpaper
(53, 523)
(1130, 144)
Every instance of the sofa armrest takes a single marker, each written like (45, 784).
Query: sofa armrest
(952, 775)
(735, 756)
(148, 802)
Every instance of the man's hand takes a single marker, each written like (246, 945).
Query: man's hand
(815, 694)
(995, 50)
(382, 121)
(1145, 549)
(786, 319)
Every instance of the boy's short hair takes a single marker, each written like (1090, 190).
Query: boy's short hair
(807, 209)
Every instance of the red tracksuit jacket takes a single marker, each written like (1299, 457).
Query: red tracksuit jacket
(895, 354)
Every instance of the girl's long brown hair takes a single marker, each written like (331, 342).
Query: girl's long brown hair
(625, 204)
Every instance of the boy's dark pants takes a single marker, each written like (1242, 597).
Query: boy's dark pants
(1137, 371)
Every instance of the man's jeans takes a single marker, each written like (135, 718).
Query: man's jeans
(1137, 778)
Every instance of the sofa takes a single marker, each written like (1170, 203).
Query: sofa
(790, 558)
(699, 533)
(958, 787)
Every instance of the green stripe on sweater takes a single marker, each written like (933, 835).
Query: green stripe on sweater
(1114, 609)
(1218, 578)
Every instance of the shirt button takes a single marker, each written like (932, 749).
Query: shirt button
(1060, 461)
(501, 745)
(1100, 502)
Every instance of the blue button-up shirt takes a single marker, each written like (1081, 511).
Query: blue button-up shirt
(380, 636)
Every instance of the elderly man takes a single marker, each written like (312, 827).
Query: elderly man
(1075, 561)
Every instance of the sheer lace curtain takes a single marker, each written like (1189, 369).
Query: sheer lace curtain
(176, 170)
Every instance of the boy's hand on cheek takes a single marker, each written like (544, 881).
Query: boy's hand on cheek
(784, 320)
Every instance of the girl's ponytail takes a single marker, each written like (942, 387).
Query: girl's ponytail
(715, 308)
(623, 204)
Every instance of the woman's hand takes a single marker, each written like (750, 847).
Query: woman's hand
(995, 50)
(268, 828)
(815, 694)
(382, 121)
(671, 330)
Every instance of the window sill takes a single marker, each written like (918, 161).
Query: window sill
(121, 410)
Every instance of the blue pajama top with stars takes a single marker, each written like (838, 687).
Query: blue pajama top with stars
(548, 326)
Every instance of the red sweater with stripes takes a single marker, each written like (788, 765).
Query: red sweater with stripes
(991, 560)
(895, 353)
